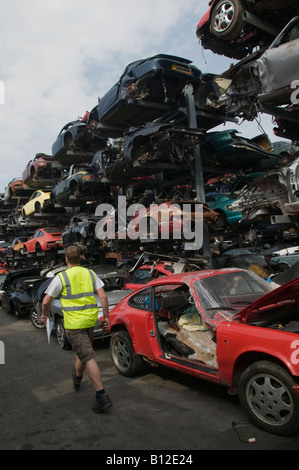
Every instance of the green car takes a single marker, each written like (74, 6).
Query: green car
(218, 202)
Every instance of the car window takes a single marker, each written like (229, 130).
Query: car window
(172, 297)
(52, 230)
(141, 300)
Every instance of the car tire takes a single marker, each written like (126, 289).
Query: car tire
(62, 340)
(38, 249)
(35, 319)
(221, 222)
(126, 361)
(266, 393)
(226, 20)
(37, 207)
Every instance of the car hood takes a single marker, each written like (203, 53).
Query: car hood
(286, 294)
(115, 296)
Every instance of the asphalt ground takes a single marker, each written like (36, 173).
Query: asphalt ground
(161, 410)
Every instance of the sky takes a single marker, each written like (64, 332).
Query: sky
(59, 56)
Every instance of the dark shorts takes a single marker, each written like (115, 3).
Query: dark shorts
(81, 342)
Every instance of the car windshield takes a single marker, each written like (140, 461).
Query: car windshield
(229, 292)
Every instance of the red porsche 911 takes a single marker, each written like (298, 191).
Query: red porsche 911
(227, 326)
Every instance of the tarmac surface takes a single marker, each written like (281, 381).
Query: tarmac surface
(160, 410)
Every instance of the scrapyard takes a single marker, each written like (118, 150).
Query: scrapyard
(185, 224)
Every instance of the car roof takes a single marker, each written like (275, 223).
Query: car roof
(190, 276)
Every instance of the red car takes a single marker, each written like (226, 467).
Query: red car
(44, 239)
(39, 171)
(225, 326)
(147, 273)
(235, 27)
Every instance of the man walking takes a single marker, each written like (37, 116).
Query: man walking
(75, 288)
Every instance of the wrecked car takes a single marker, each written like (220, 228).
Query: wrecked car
(78, 186)
(80, 231)
(144, 150)
(147, 90)
(19, 288)
(244, 258)
(219, 202)
(227, 149)
(76, 143)
(37, 202)
(43, 239)
(15, 189)
(267, 80)
(284, 258)
(228, 327)
(235, 27)
(39, 172)
(273, 196)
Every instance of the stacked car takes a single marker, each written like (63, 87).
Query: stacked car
(145, 160)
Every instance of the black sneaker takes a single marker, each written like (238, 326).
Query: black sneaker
(76, 380)
(102, 402)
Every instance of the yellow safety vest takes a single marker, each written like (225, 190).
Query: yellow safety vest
(79, 305)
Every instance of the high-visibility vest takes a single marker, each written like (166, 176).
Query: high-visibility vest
(79, 305)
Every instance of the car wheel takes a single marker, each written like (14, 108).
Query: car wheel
(126, 361)
(62, 340)
(266, 393)
(37, 207)
(226, 20)
(35, 319)
(221, 221)
(38, 248)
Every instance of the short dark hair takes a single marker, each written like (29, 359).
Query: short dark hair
(73, 254)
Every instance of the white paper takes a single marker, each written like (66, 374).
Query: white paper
(49, 328)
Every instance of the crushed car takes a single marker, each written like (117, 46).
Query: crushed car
(146, 149)
(228, 327)
(19, 288)
(273, 196)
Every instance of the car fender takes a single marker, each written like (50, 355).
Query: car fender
(139, 329)
(205, 20)
(239, 345)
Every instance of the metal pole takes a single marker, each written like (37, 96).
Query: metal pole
(198, 172)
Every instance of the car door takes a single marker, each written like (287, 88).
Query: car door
(184, 340)
(277, 65)
(30, 206)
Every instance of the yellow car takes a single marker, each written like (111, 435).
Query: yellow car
(35, 203)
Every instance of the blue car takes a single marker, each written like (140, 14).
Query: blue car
(147, 90)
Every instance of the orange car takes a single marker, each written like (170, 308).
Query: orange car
(44, 239)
